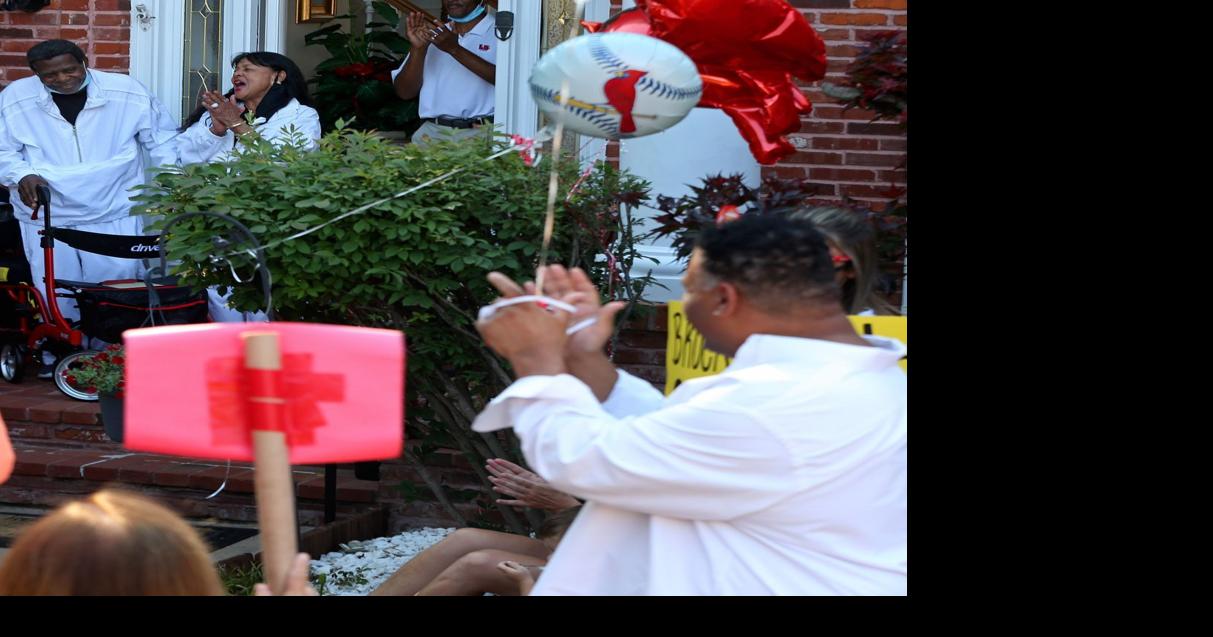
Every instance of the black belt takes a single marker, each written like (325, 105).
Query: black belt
(459, 122)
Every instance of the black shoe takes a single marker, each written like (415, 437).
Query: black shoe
(47, 371)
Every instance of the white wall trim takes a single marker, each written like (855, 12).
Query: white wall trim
(515, 109)
(156, 52)
(277, 12)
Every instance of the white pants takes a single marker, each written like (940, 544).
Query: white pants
(77, 265)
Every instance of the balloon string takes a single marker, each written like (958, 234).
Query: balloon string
(549, 218)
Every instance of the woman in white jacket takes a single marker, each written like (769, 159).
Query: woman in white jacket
(269, 99)
(269, 96)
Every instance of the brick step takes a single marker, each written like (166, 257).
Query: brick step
(46, 475)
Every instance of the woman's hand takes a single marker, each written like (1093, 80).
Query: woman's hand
(297, 583)
(527, 488)
(224, 111)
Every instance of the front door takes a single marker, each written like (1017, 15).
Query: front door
(180, 46)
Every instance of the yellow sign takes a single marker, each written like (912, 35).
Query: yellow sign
(687, 358)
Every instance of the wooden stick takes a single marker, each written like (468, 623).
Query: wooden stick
(272, 483)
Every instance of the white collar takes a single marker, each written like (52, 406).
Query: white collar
(764, 349)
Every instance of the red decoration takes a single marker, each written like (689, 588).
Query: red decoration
(728, 212)
(337, 394)
(747, 52)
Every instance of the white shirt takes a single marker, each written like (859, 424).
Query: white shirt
(199, 145)
(448, 87)
(783, 475)
(92, 166)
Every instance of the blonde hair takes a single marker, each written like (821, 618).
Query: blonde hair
(110, 543)
(855, 237)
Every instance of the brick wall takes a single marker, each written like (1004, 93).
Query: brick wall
(101, 27)
(846, 154)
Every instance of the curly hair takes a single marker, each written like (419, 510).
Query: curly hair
(776, 261)
(52, 49)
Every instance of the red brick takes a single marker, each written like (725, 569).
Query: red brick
(901, 20)
(16, 46)
(639, 356)
(112, 20)
(111, 48)
(786, 172)
(82, 417)
(111, 63)
(896, 5)
(15, 32)
(74, 5)
(854, 18)
(835, 35)
(112, 34)
(646, 340)
(837, 66)
(241, 481)
(74, 34)
(102, 471)
(41, 17)
(172, 475)
(46, 412)
(892, 144)
(842, 51)
(73, 18)
(841, 174)
(893, 176)
(111, 5)
(865, 159)
(822, 127)
(81, 434)
(845, 143)
(31, 432)
(882, 129)
(874, 192)
(832, 159)
(14, 413)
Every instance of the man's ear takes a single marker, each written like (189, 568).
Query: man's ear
(728, 300)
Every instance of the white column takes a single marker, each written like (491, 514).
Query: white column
(515, 110)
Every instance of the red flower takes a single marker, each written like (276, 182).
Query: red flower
(91, 390)
(71, 380)
(358, 69)
(102, 357)
(118, 360)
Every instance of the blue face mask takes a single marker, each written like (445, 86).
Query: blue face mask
(476, 13)
(88, 77)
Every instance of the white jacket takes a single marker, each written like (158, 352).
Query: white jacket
(199, 145)
(785, 474)
(92, 166)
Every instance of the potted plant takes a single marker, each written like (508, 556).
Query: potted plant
(355, 83)
(103, 373)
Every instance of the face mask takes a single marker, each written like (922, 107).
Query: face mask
(88, 77)
(476, 13)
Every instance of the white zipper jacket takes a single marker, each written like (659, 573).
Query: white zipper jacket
(199, 145)
(92, 166)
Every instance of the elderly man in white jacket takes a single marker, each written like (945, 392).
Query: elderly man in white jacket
(84, 133)
(783, 475)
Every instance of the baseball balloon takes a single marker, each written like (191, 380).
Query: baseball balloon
(620, 85)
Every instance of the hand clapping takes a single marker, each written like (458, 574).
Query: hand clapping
(224, 111)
